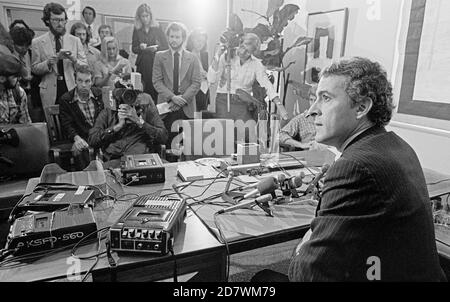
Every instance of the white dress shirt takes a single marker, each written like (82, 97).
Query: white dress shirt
(242, 76)
(95, 39)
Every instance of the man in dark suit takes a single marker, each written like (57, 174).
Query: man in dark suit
(79, 109)
(374, 221)
(176, 78)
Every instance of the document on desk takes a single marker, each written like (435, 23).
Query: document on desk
(163, 108)
(190, 171)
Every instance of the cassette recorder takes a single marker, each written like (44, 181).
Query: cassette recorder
(150, 225)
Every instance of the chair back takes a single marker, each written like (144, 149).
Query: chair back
(55, 132)
(207, 138)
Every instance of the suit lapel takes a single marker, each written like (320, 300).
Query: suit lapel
(168, 64)
(185, 62)
(48, 45)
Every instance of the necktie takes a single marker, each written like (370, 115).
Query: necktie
(60, 62)
(176, 66)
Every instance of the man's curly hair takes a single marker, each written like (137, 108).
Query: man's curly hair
(365, 79)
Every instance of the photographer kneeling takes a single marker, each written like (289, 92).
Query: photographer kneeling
(133, 126)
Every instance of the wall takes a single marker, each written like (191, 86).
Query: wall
(375, 31)
(213, 18)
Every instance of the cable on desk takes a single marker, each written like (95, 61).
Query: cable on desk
(442, 242)
(438, 182)
(96, 256)
(305, 166)
(75, 247)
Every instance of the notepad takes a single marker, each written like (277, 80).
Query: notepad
(163, 108)
(190, 171)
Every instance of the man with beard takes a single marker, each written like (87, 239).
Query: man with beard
(13, 99)
(55, 55)
(176, 77)
(79, 109)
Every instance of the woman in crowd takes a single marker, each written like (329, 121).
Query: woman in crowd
(111, 65)
(197, 44)
(148, 38)
(22, 37)
(92, 54)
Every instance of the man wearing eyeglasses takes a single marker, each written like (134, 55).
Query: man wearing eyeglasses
(55, 55)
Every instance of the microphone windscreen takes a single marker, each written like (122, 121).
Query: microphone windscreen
(325, 168)
(298, 181)
(267, 185)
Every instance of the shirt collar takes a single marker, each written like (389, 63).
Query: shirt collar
(77, 99)
(172, 52)
(52, 36)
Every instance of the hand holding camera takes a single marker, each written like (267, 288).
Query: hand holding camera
(64, 54)
(127, 112)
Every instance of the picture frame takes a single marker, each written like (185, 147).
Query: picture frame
(414, 100)
(329, 32)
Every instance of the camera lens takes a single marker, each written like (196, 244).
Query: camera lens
(129, 97)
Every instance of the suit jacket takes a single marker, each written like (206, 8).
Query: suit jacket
(72, 118)
(42, 49)
(190, 78)
(374, 204)
(130, 139)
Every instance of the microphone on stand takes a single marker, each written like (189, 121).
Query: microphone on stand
(317, 178)
(264, 186)
(290, 185)
(262, 201)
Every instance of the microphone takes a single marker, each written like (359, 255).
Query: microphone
(289, 185)
(264, 186)
(317, 178)
(261, 201)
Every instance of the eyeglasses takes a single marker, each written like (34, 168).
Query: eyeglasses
(58, 20)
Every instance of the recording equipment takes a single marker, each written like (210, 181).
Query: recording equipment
(125, 96)
(262, 201)
(9, 137)
(44, 231)
(136, 80)
(264, 186)
(317, 178)
(142, 169)
(289, 185)
(52, 198)
(149, 225)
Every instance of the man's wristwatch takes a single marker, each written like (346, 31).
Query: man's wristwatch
(110, 131)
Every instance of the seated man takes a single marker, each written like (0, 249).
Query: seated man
(13, 99)
(374, 220)
(134, 127)
(300, 131)
(79, 108)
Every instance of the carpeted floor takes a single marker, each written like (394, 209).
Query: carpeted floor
(275, 257)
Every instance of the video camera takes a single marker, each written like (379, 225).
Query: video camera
(9, 137)
(125, 96)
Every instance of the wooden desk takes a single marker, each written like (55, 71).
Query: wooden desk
(196, 250)
(196, 247)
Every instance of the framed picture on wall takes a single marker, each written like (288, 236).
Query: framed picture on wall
(425, 85)
(329, 32)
